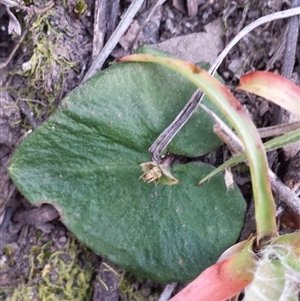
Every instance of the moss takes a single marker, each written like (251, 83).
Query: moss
(80, 7)
(8, 251)
(45, 64)
(21, 294)
(64, 275)
(127, 291)
(35, 250)
(133, 289)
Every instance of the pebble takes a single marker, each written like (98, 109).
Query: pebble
(62, 239)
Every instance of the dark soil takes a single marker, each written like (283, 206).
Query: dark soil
(34, 80)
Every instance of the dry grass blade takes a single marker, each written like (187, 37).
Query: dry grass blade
(114, 39)
(168, 290)
(291, 43)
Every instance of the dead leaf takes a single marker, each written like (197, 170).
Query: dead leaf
(228, 179)
(196, 47)
(129, 36)
(13, 25)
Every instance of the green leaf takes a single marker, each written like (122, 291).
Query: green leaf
(269, 282)
(86, 161)
(270, 145)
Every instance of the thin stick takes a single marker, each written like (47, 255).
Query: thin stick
(26, 111)
(284, 193)
(4, 64)
(34, 100)
(268, 18)
(233, 142)
(291, 44)
(279, 129)
(99, 27)
(168, 290)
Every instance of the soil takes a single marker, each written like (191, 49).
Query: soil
(52, 56)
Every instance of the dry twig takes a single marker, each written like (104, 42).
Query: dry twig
(291, 43)
(99, 27)
(7, 61)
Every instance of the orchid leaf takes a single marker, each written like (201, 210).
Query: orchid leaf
(292, 239)
(273, 87)
(277, 271)
(85, 160)
(287, 248)
(222, 280)
(268, 283)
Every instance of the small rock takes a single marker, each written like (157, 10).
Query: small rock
(45, 227)
(63, 239)
(197, 47)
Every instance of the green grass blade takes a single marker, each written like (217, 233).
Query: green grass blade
(270, 145)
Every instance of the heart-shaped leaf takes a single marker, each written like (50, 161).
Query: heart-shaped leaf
(85, 160)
